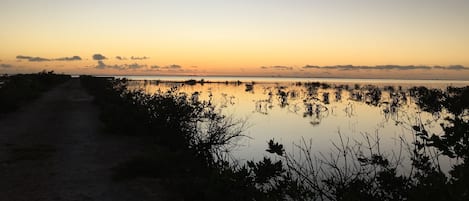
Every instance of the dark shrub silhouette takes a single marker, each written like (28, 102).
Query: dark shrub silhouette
(16, 90)
(190, 139)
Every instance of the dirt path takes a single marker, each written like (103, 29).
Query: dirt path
(52, 149)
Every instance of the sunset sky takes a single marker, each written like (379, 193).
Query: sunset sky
(308, 38)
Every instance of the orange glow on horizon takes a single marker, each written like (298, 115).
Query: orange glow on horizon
(235, 38)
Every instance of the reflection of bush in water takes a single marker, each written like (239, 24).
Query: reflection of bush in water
(352, 172)
(361, 172)
(428, 100)
(389, 98)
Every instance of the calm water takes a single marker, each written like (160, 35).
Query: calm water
(281, 108)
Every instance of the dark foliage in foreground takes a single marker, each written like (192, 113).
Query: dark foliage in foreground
(454, 143)
(190, 139)
(188, 145)
(15, 90)
(362, 172)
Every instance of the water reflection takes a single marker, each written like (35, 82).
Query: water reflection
(289, 111)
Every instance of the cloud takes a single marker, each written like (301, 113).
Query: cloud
(277, 67)
(153, 68)
(23, 57)
(99, 57)
(311, 67)
(5, 66)
(40, 59)
(385, 67)
(457, 67)
(173, 66)
(74, 58)
(343, 67)
(134, 66)
(396, 67)
(139, 58)
(101, 65)
(132, 58)
(32, 59)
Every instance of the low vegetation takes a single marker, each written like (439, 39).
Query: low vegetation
(189, 150)
(15, 90)
(359, 171)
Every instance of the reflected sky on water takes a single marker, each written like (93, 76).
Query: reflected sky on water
(316, 111)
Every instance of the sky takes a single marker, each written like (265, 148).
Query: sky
(426, 39)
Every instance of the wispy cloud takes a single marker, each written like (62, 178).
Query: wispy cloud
(99, 57)
(277, 67)
(168, 68)
(396, 67)
(155, 67)
(32, 59)
(386, 67)
(74, 58)
(134, 66)
(139, 58)
(41, 59)
(311, 67)
(101, 65)
(457, 67)
(132, 58)
(5, 66)
(173, 66)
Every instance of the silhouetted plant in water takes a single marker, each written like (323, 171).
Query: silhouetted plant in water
(373, 95)
(262, 180)
(349, 174)
(192, 132)
(454, 142)
(275, 147)
(194, 137)
(176, 120)
(428, 99)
